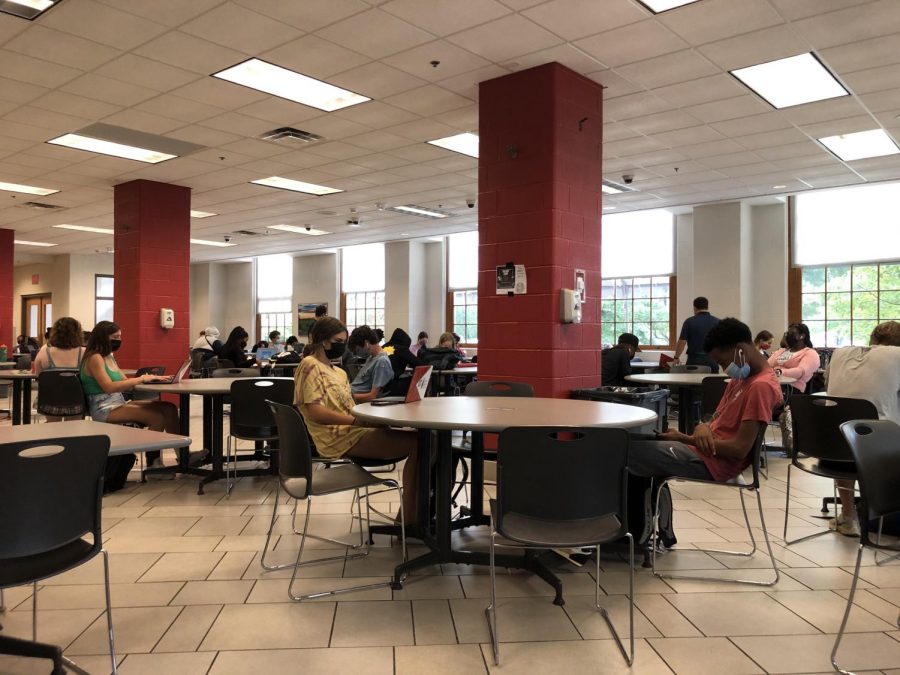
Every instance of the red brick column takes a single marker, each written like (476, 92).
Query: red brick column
(539, 174)
(152, 270)
(7, 261)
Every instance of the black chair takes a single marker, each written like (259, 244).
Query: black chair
(60, 394)
(251, 418)
(561, 488)
(742, 485)
(682, 368)
(297, 477)
(875, 447)
(711, 391)
(234, 372)
(819, 446)
(52, 491)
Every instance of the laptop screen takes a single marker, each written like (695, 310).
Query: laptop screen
(265, 353)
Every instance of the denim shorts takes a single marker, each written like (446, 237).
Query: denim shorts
(100, 405)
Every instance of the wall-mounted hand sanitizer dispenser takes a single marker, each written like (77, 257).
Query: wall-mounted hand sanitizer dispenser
(167, 318)
(569, 306)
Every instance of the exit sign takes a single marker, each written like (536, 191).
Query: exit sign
(35, 279)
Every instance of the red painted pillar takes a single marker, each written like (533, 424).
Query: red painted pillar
(152, 271)
(7, 261)
(539, 178)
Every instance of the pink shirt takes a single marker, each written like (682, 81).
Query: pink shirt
(801, 366)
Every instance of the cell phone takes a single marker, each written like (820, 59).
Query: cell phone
(380, 403)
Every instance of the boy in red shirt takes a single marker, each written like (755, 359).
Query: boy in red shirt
(721, 449)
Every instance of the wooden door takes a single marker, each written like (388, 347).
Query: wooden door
(37, 315)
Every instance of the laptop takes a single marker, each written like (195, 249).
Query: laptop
(184, 369)
(418, 388)
(265, 353)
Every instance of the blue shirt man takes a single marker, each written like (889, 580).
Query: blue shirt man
(693, 334)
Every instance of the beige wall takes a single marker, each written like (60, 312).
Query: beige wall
(316, 279)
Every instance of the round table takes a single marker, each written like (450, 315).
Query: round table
(644, 365)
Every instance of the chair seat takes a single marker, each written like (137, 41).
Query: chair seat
(246, 433)
(335, 479)
(372, 462)
(31, 568)
(542, 532)
(826, 468)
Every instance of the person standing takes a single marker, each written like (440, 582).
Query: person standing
(693, 333)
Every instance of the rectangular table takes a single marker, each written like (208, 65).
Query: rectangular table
(122, 440)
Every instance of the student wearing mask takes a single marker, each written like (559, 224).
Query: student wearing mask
(208, 343)
(763, 342)
(104, 384)
(421, 343)
(377, 372)
(616, 361)
(275, 340)
(798, 359)
(324, 398)
(401, 357)
(234, 348)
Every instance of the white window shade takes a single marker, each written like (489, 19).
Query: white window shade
(860, 224)
(274, 276)
(463, 260)
(638, 244)
(362, 268)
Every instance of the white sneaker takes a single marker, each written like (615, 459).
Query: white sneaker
(849, 527)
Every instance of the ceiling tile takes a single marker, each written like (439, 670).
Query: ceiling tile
(332, 127)
(143, 121)
(105, 89)
(464, 119)
(799, 9)
(146, 73)
(222, 94)
(634, 105)
(443, 17)
(375, 34)
(20, 92)
(873, 79)
(506, 38)
(761, 46)
(635, 42)
(380, 162)
(453, 61)
(614, 85)
(337, 150)
(10, 26)
(614, 131)
(378, 140)
(102, 23)
(467, 85)
(729, 108)
(187, 51)
(168, 12)
(852, 24)
(701, 150)
(669, 69)
(658, 122)
(837, 127)
(54, 121)
(58, 47)
(566, 54)
(882, 101)
(202, 136)
(376, 80)
(424, 130)
(34, 71)
(832, 109)
(573, 19)
(280, 111)
(375, 114)
(233, 26)
(768, 121)
(235, 123)
(712, 88)
(689, 136)
(308, 15)
(863, 54)
(712, 20)
(315, 57)
(428, 100)
(179, 108)
(768, 139)
(789, 151)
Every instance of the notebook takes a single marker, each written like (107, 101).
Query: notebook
(418, 388)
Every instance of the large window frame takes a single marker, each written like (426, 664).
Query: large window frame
(465, 322)
(617, 310)
(98, 297)
(363, 308)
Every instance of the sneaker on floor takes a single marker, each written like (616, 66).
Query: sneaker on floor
(849, 527)
(158, 464)
(576, 556)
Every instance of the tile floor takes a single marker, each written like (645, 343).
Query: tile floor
(189, 597)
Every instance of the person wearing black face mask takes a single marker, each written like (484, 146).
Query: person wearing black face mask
(234, 348)
(798, 359)
(322, 395)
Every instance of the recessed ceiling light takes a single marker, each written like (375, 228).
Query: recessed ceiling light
(206, 242)
(404, 234)
(22, 242)
(102, 147)
(610, 187)
(299, 230)
(86, 228)
(779, 187)
(202, 214)
(27, 189)
(861, 145)
(466, 144)
(609, 208)
(287, 84)
(436, 239)
(26, 9)
(609, 190)
(791, 81)
(659, 6)
(296, 186)
(419, 211)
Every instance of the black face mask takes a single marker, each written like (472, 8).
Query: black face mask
(793, 340)
(114, 345)
(336, 350)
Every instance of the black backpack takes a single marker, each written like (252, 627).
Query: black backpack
(643, 494)
(440, 358)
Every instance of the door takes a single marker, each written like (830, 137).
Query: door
(37, 315)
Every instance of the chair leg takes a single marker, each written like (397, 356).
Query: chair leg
(840, 633)
(34, 594)
(109, 621)
(227, 466)
(884, 560)
(490, 611)
(2, 601)
(629, 655)
(787, 501)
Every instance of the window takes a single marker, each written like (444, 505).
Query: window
(103, 297)
(362, 282)
(462, 279)
(465, 316)
(841, 304)
(638, 305)
(274, 284)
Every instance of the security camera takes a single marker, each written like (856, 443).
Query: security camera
(353, 222)
(227, 238)
(470, 203)
(308, 228)
(627, 178)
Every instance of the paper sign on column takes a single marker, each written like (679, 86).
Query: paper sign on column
(511, 279)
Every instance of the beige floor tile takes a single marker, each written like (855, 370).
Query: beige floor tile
(875, 604)
(123, 511)
(152, 527)
(93, 596)
(440, 660)
(707, 586)
(565, 658)
(188, 510)
(884, 576)
(56, 626)
(161, 544)
(520, 619)
(137, 629)
(245, 542)
(381, 561)
(824, 578)
(373, 624)
(745, 614)
(665, 618)
(333, 569)
(811, 653)
(191, 663)
(824, 609)
(704, 656)
(892, 595)
(224, 525)
(188, 630)
(276, 590)
(12, 665)
(522, 584)
(430, 587)
(433, 622)
(123, 568)
(360, 661)
(232, 566)
(183, 566)
(15, 596)
(686, 559)
(592, 626)
(271, 626)
(213, 593)
(616, 583)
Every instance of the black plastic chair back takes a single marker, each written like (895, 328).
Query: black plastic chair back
(295, 456)
(557, 473)
(817, 421)
(60, 389)
(483, 388)
(235, 372)
(712, 389)
(23, 362)
(250, 416)
(150, 370)
(52, 492)
(875, 446)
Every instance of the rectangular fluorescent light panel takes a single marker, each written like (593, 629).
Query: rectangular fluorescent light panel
(659, 6)
(861, 145)
(466, 144)
(206, 242)
(293, 86)
(202, 214)
(26, 9)
(27, 189)
(296, 186)
(298, 229)
(610, 190)
(791, 81)
(22, 242)
(419, 211)
(109, 148)
(86, 228)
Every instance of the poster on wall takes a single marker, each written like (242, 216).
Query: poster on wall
(580, 287)
(306, 317)
(511, 279)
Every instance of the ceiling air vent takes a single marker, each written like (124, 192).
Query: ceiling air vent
(246, 233)
(291, 134)
(40, 206)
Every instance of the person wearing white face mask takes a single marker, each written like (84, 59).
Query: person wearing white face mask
(721, 449)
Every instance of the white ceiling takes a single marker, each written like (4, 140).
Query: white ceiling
(674, 118)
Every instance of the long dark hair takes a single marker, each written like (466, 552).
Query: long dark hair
(803, 330)
(324, 329)
(235, 337)
(98, 343)
(66, 333)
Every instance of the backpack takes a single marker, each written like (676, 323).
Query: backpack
(117, 469)
(643, 495)
(441, 358)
